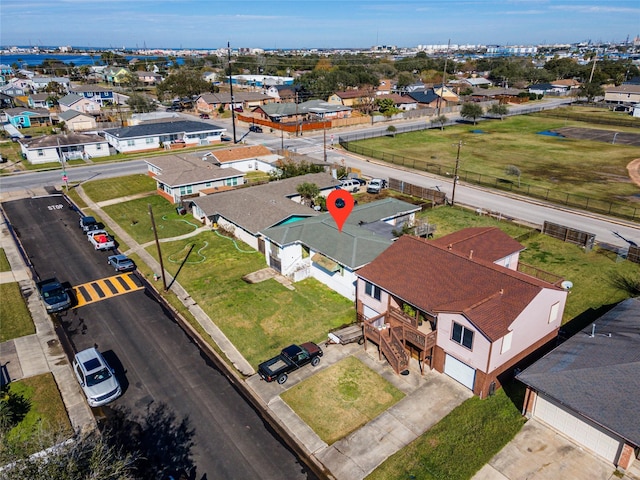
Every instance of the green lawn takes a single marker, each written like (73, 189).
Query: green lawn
(134, 217)
(349, 391)
(14, 315)
(459, 445)
(45, 421)
(583, 167)
(110, 188)
(4, 263)
(260, 318)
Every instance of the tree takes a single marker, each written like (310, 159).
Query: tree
(441, 120)
(514, 171)
(131, 81)
(182, 83)
(140, 104)
(499, 110)
(392, 130)
(308, 191)
(591, 90)
(471, 110)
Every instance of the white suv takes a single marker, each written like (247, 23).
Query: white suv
(96, 377)
(350, 185)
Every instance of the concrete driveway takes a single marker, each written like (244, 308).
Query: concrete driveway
(539, 453)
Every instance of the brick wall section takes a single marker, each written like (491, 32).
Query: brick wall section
(626, 457)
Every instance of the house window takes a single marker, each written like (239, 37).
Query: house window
(462, 335)
(506, 342)
(231, 182)
(372, 290)
(98, 146)
(186, 190)
(130, 143)
(207, 184)
(149, 140)
(553, 313)
(41, 153)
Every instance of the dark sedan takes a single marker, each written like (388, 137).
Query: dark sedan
(121, 263)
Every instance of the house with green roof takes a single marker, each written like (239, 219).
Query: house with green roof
(315, 247)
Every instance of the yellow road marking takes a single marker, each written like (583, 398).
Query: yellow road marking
(104, 288)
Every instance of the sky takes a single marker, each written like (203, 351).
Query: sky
(210, 24)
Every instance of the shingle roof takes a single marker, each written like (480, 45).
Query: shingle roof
(261, 206)
(436, 279)
(241, 153)
(356, 245)
(89, 88)
(488, 243)
(48, 141)
(163, 128)
(597, 376)
(426, 96)
(69, 114)
(177, 170)
(223, 97)
(70, 99)
(310, 106)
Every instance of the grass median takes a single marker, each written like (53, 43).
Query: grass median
(14, 315)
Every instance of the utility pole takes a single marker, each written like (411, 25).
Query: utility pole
(444, 75)
(233, 109)
(455, 173)
(155, 234)
(324, 138)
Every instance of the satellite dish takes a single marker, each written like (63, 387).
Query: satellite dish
(567, 285)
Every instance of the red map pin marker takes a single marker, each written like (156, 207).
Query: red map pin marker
(340, 203)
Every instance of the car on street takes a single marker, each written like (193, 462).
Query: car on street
(204, 116)
(96, 377)
(54, 295)
(255, 128)
(88, 223)
(121, 263)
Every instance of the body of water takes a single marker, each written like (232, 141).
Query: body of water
(72, 59)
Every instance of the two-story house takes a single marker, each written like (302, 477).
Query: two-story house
(460, 304)
(102, 96)
(78, 103)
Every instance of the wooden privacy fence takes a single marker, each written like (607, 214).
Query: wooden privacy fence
(634, 254)
(570, 235)
(434, 196)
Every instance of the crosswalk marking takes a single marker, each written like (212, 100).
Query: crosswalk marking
(104, 288)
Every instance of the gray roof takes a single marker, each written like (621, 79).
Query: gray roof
(359, 242)
(90, 88)
(310, 106)
(164, 128)
(179, 170)
(261, 206)
(63, 140)
(70, 99)
(238, 97)
(597, 376)
(35, 112)
(69, 114)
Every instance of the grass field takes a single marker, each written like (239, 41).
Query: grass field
(14, 314)
(349, 391)
(110, 188)
(4, 263)
(260, 318)
(582, 167)
(459, 445)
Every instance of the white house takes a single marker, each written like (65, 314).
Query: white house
(152, 136)
(59, 148)
(245, 159)
(78, 103)
(314, 247)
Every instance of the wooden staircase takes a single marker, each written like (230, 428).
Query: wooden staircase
(394, 351)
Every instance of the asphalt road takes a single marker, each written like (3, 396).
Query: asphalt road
(155, 361)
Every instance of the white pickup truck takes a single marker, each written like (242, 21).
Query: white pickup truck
(101, 240)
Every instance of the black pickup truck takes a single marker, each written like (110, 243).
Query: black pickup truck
(291, 358)
(54, 295)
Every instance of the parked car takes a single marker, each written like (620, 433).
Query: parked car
(121, 263)
(376, 185)
(54, 295)
(89, 223)
(96, 377)
(290, 358)
(350, 185)
(204, 116)
(255, 128)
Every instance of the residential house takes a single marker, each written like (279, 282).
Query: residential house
(385, 87)
(314, 247)
(476, 82)
(64, 147)
(356, 98)
(180, 177)
(151, 136)
(426, 98)
(248, 211)
(293, 112)
(588, 387)
(102, 96)
(245, 159)
(540, 88)
(148, 78)
(259, 81)
(212, 77)
(115, 75)
(40, 100)
(460, 304)
(211, 102)
(401, 102)
(77, 121)
(6, 101)
(625, 94)
(18, 86)
(21, 117)
(78, 103)
(41, 83)
(565, 86)
(6, 72)
(282, 93)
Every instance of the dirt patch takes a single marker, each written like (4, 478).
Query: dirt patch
(634, 171)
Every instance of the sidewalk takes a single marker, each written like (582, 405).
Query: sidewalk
(41, 352)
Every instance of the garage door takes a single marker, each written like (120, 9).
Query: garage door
(578, 429)
(459, 371)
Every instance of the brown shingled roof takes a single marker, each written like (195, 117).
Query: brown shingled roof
(488, 243)
(435, 279)
(240, 153)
